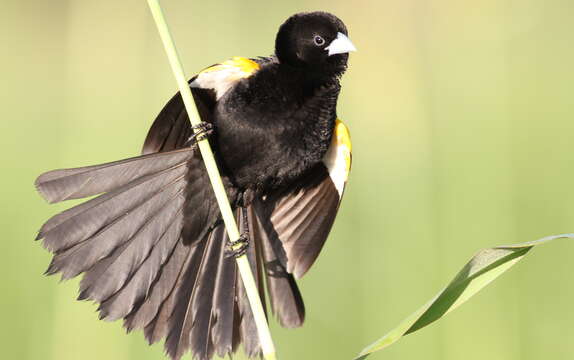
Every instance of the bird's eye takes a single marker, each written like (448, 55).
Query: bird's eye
(319, 41)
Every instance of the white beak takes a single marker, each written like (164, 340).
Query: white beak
(340, 45)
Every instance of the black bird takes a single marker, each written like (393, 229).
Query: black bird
(152, 248)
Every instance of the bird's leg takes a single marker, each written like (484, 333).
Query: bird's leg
(239, 247)
(204, 129)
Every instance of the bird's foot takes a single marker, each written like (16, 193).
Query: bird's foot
(201, 132)
(238, 247)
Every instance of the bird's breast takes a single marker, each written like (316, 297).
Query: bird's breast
(267, 148)
(271, 129)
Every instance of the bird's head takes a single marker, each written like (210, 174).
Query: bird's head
(317, 41)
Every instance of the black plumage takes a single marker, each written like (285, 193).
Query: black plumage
(152, 246)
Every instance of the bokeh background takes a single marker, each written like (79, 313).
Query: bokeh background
(461, 114)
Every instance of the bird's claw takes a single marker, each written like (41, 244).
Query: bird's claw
(238, 247)
(200, 132)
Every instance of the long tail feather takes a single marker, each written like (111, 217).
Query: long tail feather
(160, 325)
(203, 298)
(224, 304)
(248, 330)
(284, 295)
(169, 275)
(193, 332)
(176, 341)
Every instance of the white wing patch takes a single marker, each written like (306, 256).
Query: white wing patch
(222, 77)
(338, 157)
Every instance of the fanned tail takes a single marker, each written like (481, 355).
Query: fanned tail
(206, 310)
(154, 252)
(139, 262)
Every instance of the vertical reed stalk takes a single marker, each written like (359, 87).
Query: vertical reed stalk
(267, 346)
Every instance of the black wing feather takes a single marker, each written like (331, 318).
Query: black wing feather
(138, 288)
(284, 296)
(298, 219)
(171, 129)
(59, 185)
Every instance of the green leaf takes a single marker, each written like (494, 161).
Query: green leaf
(482, 269)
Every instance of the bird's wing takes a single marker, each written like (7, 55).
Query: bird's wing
(292, 225)
(147, 245)
(137, 258)
(171, 129)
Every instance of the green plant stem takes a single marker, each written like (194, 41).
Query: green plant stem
(267, 346)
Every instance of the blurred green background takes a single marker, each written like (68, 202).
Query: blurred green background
(461, 114)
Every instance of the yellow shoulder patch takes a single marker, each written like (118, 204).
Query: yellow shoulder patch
(241, 66)
(224, 76)
(338, 157)
(343, 139)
